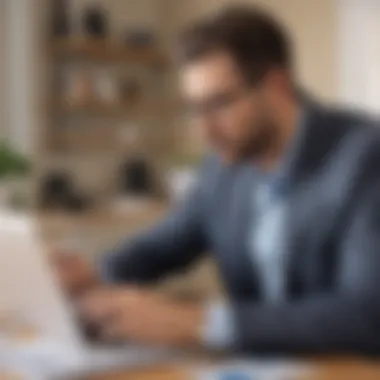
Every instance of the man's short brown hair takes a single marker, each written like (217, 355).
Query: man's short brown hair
(251, 36)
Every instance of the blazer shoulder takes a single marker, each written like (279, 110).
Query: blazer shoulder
(359, 141)
(354, 121)
(351, 129)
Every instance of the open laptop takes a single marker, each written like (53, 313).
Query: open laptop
(29, 290)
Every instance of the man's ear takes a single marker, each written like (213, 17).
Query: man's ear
(275, 85)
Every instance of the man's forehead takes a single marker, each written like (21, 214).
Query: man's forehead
(216, 70)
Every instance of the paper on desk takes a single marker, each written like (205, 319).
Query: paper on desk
(44, 360)
(247, 369)
(36, 361)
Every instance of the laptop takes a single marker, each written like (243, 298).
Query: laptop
(30, 291)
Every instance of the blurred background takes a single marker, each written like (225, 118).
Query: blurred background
(93, 137)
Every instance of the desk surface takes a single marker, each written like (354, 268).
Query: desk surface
(333, 369)
(321, 369)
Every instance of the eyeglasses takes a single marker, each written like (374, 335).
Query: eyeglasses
(217, 104)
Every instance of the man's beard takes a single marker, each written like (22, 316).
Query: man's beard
(262, 142)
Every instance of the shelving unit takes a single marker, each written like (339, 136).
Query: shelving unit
(90, 129)
(111, 109)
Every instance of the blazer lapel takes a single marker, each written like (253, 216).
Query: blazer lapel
(298, 169)
(241, 215)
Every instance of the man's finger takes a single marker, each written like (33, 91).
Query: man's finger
(114, 329)
(98, 306)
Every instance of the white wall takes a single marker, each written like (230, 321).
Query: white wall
(21, 61)
(359, 50)
(3, 118)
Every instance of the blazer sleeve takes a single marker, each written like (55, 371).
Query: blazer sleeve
(344, 322)
(171, 245)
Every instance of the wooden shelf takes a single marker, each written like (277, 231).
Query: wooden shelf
(98, 140)
(111, 109)
(85, 140)
(104, 50)
(93, 108)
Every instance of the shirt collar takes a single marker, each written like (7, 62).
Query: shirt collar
(277, 180)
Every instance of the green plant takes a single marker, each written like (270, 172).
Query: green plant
(12, 163)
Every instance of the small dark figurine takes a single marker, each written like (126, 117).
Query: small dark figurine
(95, 23)
(136, 177)
(131, 91)
(60, 21)
(58, 192)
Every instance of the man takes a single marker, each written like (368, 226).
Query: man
(287, 203)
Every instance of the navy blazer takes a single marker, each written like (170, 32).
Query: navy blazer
(332, 238)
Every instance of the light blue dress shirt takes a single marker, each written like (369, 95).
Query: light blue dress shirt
(267, 238)
(267, 253)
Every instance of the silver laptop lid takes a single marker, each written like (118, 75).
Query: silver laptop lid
(28, 287)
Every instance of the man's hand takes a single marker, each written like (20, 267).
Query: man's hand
(75, 274)
(143, 317)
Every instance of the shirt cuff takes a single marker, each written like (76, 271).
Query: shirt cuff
(218, 332)
(105, 266)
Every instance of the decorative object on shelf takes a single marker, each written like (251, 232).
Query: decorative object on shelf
(140, 38)
(136, 175)
(60, 20)
(131, 91)
(79, 87)
(129, 136)
(136, 178)
(58, 192)
(181, 175)
(54, 189)
(14, 167)
(107, 88)
(95, 21)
